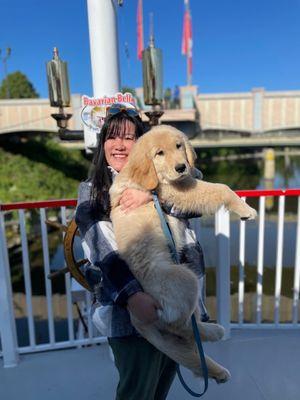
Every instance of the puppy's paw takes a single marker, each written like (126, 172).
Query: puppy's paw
(249, 214)
(223, 376)
(213, 332)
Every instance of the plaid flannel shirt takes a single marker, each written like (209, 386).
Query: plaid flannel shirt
(109, 276)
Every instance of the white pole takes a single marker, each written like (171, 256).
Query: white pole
(278, 276)
(8, 332)
(104, 47)
(297, 271)
(222, 232)
(260, 258)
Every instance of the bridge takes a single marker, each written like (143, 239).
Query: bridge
(253, 119)
(253, 141)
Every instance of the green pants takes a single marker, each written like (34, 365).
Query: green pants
(145, 373)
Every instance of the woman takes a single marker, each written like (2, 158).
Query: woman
(145, 373)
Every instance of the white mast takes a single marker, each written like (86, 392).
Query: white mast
(104, 47)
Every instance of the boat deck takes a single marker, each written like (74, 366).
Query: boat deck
(264, 364)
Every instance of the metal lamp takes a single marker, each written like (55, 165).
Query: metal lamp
(153, 80)
(59, 91)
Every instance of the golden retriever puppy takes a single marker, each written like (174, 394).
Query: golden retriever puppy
(163, 160)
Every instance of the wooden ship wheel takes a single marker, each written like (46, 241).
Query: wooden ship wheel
(72, 265)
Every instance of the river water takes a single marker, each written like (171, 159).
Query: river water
(238, 174)
(249, 174)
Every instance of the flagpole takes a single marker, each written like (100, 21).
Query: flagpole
(188, 60)
(189, 78)
(187, 41)
(189, 75)
(140, 30)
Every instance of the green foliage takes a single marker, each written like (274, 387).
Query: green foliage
(168, 94)
(39, 169)
(127, 89)
(17, 86)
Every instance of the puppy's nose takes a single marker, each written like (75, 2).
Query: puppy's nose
(180, 168)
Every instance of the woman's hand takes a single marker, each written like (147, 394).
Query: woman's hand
(134, 198)
(144, 307)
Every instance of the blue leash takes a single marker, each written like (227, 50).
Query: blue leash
(171, 244)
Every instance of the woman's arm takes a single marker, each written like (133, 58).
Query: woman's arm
(134, 198)
(144, 307)
(100, 244)
(101, 249)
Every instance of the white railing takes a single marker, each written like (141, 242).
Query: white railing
(73, 293)
(278, 250)
(75, 337)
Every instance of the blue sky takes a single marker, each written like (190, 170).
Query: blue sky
(238, 44)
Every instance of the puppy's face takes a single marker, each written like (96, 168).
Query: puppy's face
(163, 155)
(169, 157)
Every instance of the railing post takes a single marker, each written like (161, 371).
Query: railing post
(222, 232)
(7, 321)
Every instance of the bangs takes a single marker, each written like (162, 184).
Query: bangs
(120, 128)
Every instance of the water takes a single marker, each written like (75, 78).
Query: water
(238, 174)
(249, 174)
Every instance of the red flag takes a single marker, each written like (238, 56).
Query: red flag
(140, 33)
(187, 40)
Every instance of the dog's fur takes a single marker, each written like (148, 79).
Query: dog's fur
(163, 160)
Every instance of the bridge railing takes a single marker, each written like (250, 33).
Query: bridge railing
(11, 343)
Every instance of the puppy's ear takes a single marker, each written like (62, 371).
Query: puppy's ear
(141, 170)
(190, 152)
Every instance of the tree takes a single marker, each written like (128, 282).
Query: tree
(17, 86)
(127, 89)
(167, 98)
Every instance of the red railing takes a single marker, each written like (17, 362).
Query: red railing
(273, 192)
(73, 202)
(38, 204)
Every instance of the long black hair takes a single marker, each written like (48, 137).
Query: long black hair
(101, 177)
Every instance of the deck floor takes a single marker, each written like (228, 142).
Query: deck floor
(264, 365)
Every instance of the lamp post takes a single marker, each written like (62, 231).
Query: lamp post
(152, 79)
(59, 92)
(4, 60)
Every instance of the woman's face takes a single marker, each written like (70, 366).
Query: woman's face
(117, 149)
